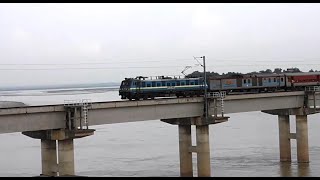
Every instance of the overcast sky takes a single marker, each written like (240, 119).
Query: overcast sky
(88, 43)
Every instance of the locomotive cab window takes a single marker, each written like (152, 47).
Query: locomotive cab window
(124, 83)
(281, 79)
(274, 79)
(244, 81)
(249, 81)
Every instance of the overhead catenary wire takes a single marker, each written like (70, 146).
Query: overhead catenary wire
(243, 61)
(71, 64)
(182, 63)
(159, 66)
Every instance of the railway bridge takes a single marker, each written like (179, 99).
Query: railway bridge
(56, 126)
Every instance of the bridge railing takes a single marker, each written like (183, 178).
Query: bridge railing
(78, 102)
(312, 88)
(221, 94)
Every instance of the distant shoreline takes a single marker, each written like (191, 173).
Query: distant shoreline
(82, 89)
(64, 86)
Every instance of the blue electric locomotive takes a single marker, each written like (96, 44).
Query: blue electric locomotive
(160, 86)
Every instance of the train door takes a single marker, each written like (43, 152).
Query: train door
(279, 82)
(290, 81)
(254, 81)
(138, 87)
(260, 81)
(239, 82)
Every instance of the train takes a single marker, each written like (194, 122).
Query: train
(164, 86)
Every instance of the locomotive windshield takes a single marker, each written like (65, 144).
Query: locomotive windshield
(125, 83)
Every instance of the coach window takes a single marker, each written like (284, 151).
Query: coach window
(274, 80)
(182, 83)
(244, 81)
(187, 82)
(158, 84)
(178, 83)
(148, 85)
(196, 82)
(269, 80)
(153, 84)
(248, 81)
(168, 84)
(192, 83)
(135, 83)
(143, 84)
(163, 83)
(173, 84)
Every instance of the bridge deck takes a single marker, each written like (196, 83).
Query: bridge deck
(32, 118)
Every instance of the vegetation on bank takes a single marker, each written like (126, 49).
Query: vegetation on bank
(267, 71)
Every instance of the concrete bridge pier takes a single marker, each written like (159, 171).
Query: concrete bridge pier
(49, 157)
(202, 148)
(61, 165)
(302, 138)
(203, 151)
(66, 157)
(186, 169)
(57, 150)
(285, 136)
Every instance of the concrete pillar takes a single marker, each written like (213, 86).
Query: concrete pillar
(203, 151)
(185, 155)
(49, 157)
(66, 157)
(284, 138)
(302, 138)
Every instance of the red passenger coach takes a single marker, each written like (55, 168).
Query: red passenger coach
(303, 79)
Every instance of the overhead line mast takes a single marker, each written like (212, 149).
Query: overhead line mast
(205, 110)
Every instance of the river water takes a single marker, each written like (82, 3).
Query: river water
(245, 146)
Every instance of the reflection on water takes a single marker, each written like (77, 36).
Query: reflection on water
(303, 169)
(289, 169)
(285, 169)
